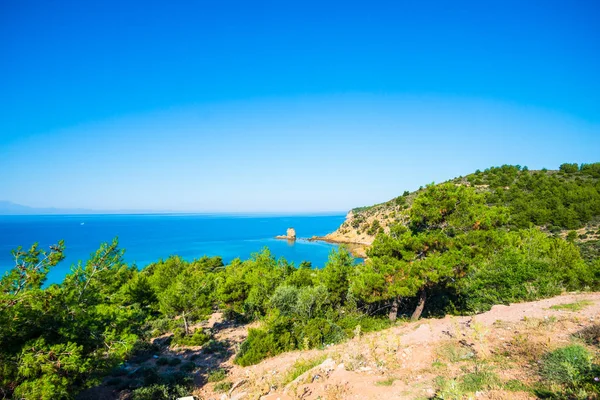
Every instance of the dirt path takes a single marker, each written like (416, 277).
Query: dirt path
(408, 361)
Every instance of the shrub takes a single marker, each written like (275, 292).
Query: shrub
(174, 361)
(119, 371)
(176, 378)
(567, 366)
(114, 381)
(159, 392)
(258, 346)
(375, 226)
(217, 375)
(143, 351)
(159, 326)
(571, 236)
(198, 338)
(318, 332)
(261, 343)
(188, 366)
(148, 375)
(223, 386)
(214, 346)
(162, 361)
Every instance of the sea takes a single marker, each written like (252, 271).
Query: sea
(148, 238)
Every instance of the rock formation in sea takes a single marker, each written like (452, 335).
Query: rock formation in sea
(290, 235)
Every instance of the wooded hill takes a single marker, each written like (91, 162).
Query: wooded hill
(554, 200)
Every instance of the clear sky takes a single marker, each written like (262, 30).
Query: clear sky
(240, 106)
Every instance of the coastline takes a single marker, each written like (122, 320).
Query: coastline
(358, 250)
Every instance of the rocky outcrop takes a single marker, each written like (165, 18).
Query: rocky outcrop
(290, 235)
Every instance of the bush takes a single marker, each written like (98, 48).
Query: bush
(114, 381)
(174, 361)
(162, 361)
(188, 366)
(198, 338)
(318, 332)
(568, 366)
(176, 378)
(261, 343)
(143, 351)
(217, 375)
(119, 371)
(375, 227)
(258, 346)
(160, 326)
(223, 386)
(160, 392)
(214, 346)
(148, 375)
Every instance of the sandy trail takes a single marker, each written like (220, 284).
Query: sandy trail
(403, 362)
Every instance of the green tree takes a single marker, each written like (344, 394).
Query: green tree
(189, 296)
(336, 274)
(569, 168)
(436, 247)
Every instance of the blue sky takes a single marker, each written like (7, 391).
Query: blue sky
(281, 106)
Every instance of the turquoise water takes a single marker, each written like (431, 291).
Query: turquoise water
(147, 238)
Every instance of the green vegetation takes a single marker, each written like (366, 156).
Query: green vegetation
(460, 249)
(569, 372)
(468, 384)
(566, 199)
(577, 306)
(223, 386)
(300, 367)
(217, 375)
(386, 382)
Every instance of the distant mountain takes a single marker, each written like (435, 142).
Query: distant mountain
(10, 208)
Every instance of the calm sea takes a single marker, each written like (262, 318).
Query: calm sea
(148, 238)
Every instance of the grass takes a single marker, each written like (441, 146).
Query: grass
(222, 387)
(525, 347)
(515, 385)
(300, 367)
(386, 382)
(567, 365)
(454, 352)
(478, 381)
(217, 375)
(458, 388)
(574, 307)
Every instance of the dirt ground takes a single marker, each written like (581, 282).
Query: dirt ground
(407, 361)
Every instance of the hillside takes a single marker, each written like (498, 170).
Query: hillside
(555, 200)
(497, 354)
(469, 255)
